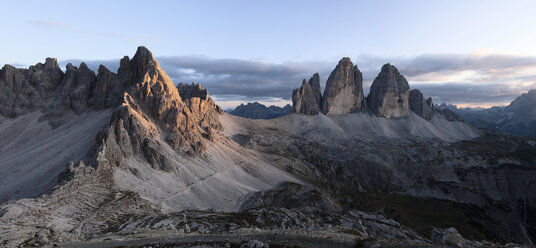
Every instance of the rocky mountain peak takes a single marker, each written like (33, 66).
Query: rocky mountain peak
(51, 63)
(314, 81)
(144, 62)
(419, 106)
(141, 93)
(69, 67)
(344, 89)
(307, 99)
(255, 110)
(429, 103)
(102, 69)
(147, 82)
(152, 108)
(83, 66)
(525, 102)
(345, 62)
(389, 93)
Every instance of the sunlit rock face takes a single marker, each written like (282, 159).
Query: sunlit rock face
(152, 109)
(307, 99)
(389, 94)
(344, 90)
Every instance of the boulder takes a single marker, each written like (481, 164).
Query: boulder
(254, 244)
(344, 90)
(389, 93)
(448, 236)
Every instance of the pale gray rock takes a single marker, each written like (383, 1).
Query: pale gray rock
(254, 244)
(419, 106)
(307, 99)
(448, 236)
(389, 94)
(344, 90)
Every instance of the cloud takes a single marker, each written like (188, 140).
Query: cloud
(491, 67)
(473, 94)
(471, 79)
(453, 78)
(246, 78)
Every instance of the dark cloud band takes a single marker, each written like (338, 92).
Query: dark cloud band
(492, 78)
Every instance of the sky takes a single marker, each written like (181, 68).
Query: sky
(470, 53)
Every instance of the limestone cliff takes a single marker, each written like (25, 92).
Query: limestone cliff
(344, 90)
(389, 93)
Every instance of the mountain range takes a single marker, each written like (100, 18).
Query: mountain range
(518, 118)
(128, 158)
(256, 110)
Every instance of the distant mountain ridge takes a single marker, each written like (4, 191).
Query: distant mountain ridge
(390, 95)
(518, 118)
(256, 110)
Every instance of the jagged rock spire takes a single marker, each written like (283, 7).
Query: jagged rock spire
(152, 109)
(389, 93)
(145, 98)
(344, 89)
(421, 107)
(307, 99)
(144, 62)
(314, 81)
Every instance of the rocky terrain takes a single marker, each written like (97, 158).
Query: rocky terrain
(518, 118)
(130, 159)
(256, 110)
